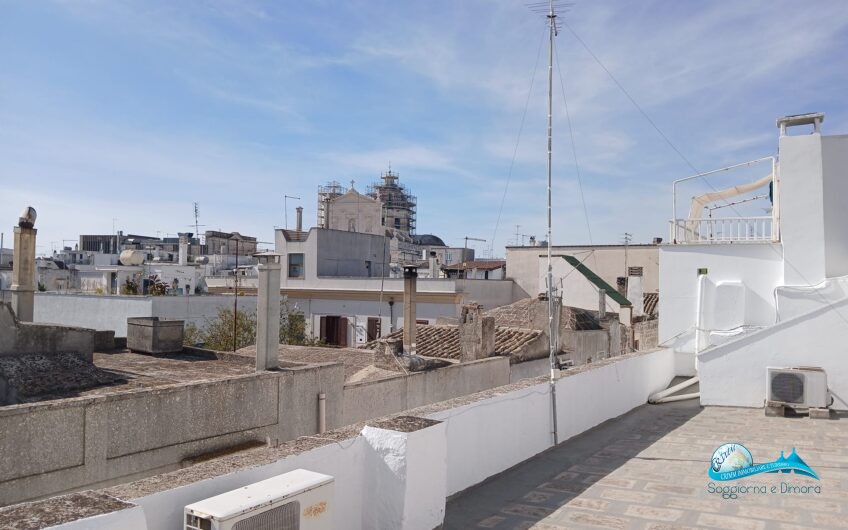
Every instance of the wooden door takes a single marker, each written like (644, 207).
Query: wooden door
(341, 332)
(373, 330)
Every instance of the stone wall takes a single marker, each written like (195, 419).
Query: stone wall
(646, 332)
(372, 399)
(54, 446)
(19, 338)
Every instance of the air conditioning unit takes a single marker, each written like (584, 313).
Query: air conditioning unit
(802, 387)
(298, 500)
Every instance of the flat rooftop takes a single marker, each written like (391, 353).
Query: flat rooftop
(648, 469)
(125, 371)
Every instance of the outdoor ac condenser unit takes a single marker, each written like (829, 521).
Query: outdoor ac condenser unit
(298, 500)
(802, 387)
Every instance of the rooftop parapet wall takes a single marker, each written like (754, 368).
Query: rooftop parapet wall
(19, 338)
(67, 444)
(512, 423)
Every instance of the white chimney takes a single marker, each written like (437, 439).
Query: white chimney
(300, 218)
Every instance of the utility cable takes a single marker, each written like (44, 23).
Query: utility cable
(574, 152)
(686, 160)
(517, 141)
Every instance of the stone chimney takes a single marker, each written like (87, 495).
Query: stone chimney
(268, 311)
(183, 248)
(434, 266)
(476, 333)
(410, 285)
(23, 266)
(299, 218)
(326, 213)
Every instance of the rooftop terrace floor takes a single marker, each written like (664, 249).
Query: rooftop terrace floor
(648, 469)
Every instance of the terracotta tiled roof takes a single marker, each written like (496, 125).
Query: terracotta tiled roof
(442, 341)
(651, 300)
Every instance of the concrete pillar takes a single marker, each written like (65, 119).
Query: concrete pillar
(23, 267)
(183, 256)
(405, 482)
(434, 267)
(602, 304)
(410, 281)
(476, 333)
(327, 213)
(268, 311)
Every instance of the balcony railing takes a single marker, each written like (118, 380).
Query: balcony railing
(722, 230)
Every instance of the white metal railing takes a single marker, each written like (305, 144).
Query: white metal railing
(722, 230)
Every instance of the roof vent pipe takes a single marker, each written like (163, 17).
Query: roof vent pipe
(410, 281)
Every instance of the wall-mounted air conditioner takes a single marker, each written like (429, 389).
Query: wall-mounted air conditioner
(802, 387)
(298, 500)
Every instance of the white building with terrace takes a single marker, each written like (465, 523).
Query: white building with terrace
(740, 293)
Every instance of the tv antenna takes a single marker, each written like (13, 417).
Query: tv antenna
(196, 224)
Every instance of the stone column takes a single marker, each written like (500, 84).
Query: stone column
(476, 333)
(183, 250)
(23, 267)
(268, 311)
(410, 281)
(405, 482)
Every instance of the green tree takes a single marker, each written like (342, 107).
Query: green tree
(217, 333)
(292, 325)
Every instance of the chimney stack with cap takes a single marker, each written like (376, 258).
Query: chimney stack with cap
(410, 281)
(23, 266)
(268, 311)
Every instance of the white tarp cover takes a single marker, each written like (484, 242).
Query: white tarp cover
(700, 201)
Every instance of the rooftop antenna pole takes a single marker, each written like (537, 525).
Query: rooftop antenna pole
(286, 208)
(552, 326)
(465, 251)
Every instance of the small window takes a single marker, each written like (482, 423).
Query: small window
(295, 265)
(397, 223)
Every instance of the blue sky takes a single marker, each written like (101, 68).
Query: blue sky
(135, 110)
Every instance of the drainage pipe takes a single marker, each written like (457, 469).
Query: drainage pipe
(662, 396)
(322, 413)
(681, 397)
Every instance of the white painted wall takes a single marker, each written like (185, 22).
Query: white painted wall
(835, 169)
(104, 312)
(492, 435)
(801, 201)
(343, 461)
(591, 397)
(607, 261)
(734, 374)
(128, 519)
(757, 267)
(405, 484)
(91, 311)
(795, 301)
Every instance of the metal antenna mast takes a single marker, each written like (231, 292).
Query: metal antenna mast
(552, 309)
(551, 324)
